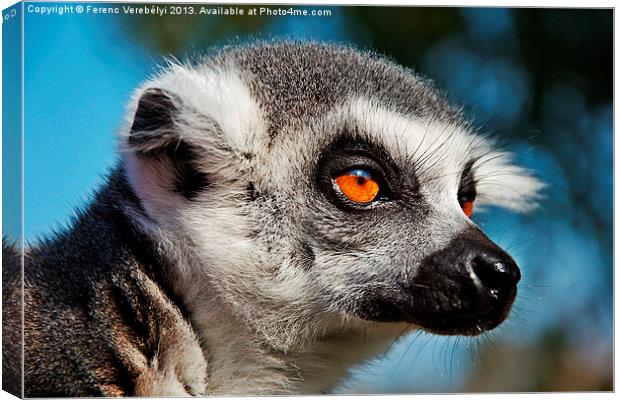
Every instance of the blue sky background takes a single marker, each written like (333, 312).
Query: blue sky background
(80, 70)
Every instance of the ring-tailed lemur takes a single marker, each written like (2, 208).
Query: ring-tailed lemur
(281, 212)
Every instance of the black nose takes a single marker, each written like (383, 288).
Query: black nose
(466, 288)
(486, 273)
(496, 271)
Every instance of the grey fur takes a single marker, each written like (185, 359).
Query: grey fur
(215, 259)
(350, 73)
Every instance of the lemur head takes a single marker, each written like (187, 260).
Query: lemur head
(310, 188)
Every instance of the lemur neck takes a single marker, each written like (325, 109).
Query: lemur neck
(242, 363)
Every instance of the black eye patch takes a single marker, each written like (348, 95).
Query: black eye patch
(467, 186)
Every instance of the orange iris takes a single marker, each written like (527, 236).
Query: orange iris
(468, 207)
(358, 186)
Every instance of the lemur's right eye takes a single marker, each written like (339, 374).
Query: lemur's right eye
(467, 190)
(358, 185)
(467, 205)
(356, 176)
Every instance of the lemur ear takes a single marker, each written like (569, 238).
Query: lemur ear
(152, 123)
(156, 140)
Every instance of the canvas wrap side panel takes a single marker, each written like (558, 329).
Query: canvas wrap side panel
(12, 204)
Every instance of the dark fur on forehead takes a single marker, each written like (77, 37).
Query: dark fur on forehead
(297, 80)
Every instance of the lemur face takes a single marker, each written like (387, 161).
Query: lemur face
(388, 201)
(313, 187)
